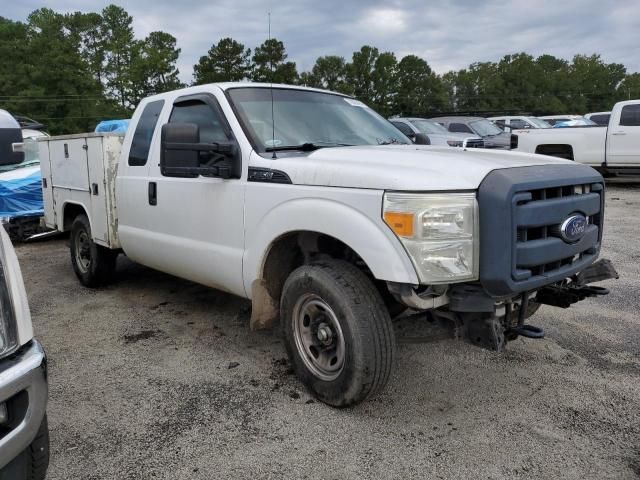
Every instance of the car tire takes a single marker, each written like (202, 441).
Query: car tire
(338, 332)
(93, 264)
(32, 462)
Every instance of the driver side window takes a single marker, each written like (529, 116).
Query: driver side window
(459, 128)
(404, 128)
(208, 121)
(517, 123)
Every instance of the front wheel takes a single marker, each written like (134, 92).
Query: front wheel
(338, 332)
(32, 462)
(94, 265)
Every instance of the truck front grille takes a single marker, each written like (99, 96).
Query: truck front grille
(540, 250)
(521, 213)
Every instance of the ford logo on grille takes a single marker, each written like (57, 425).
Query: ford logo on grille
(573, 228)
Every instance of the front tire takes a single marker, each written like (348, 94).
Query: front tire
(33, 461)
(93, 264)
(338, 333)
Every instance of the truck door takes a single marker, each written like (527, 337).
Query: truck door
(623, 136)
(132, 180)
(196, 225)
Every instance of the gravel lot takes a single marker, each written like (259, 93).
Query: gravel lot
(155, 377)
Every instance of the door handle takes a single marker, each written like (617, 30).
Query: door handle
(153, 193)
(619, 133)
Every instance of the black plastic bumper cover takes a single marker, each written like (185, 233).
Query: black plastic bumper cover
(501, 197)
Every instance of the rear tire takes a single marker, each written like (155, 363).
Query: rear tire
(338, 332)
(32, 462)
(94, 265)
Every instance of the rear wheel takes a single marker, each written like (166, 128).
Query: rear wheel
(94, 265)
(338, 332)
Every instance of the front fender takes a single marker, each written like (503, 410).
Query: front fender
(355, 221)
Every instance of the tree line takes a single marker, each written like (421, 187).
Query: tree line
(71, 70)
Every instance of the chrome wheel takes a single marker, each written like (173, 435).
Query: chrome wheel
(318, 337)
(83, 251)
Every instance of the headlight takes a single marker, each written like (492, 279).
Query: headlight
(8, 334)
(454, 143)
(440, 232)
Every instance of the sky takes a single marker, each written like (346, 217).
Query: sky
(448, 34)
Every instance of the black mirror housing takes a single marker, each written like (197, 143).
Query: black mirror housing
(422, 139)
(174, 162)
(10, 138)
(180, 154)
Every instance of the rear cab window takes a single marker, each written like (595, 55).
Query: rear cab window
(139, 151)
(630, 116)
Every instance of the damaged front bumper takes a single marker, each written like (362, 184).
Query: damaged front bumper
(507, 320)
(490, 322)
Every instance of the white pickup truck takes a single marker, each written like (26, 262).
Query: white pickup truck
(613, 150)
(329, 219)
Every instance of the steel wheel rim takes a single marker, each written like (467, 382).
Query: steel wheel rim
(318, 337)
(83, 251)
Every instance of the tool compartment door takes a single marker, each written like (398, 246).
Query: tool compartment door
(68, 159)
(41, 149)
(97, 191)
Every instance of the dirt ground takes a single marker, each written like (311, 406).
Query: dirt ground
(158, 378)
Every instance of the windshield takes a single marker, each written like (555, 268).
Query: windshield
(307, 117)
(538, 122)
(484, 128)
(427, 126)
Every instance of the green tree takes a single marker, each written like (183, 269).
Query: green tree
(360, 73)
(88, 27)
(594, 84)
(306, 79)
(118, 47)
(329, 72)
(226, 61)
(553, 80)
(14, 67)
(419, 91)
(62, 90)
(384, 85)
(629, 88)
(270, 65)
(153, 66)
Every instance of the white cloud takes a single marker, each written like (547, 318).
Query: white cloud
(384, 21)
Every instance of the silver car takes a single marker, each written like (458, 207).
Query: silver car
(438, 135)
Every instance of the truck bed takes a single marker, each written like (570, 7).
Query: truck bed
(80, 171)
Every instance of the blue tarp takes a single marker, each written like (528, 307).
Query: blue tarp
(113, 126)
(21, 195)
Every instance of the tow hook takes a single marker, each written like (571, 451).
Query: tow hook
(528, 331)
(523, 329)
(565, 295)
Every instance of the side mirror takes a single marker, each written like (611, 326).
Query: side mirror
(176, 158)
(11, 151)
(180, 154)
(421, 139)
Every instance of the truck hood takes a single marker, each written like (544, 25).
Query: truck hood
(400, 167)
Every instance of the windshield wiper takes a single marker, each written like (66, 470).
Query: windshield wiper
(307, 146)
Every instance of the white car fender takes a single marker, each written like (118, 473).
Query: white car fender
(356, 221)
